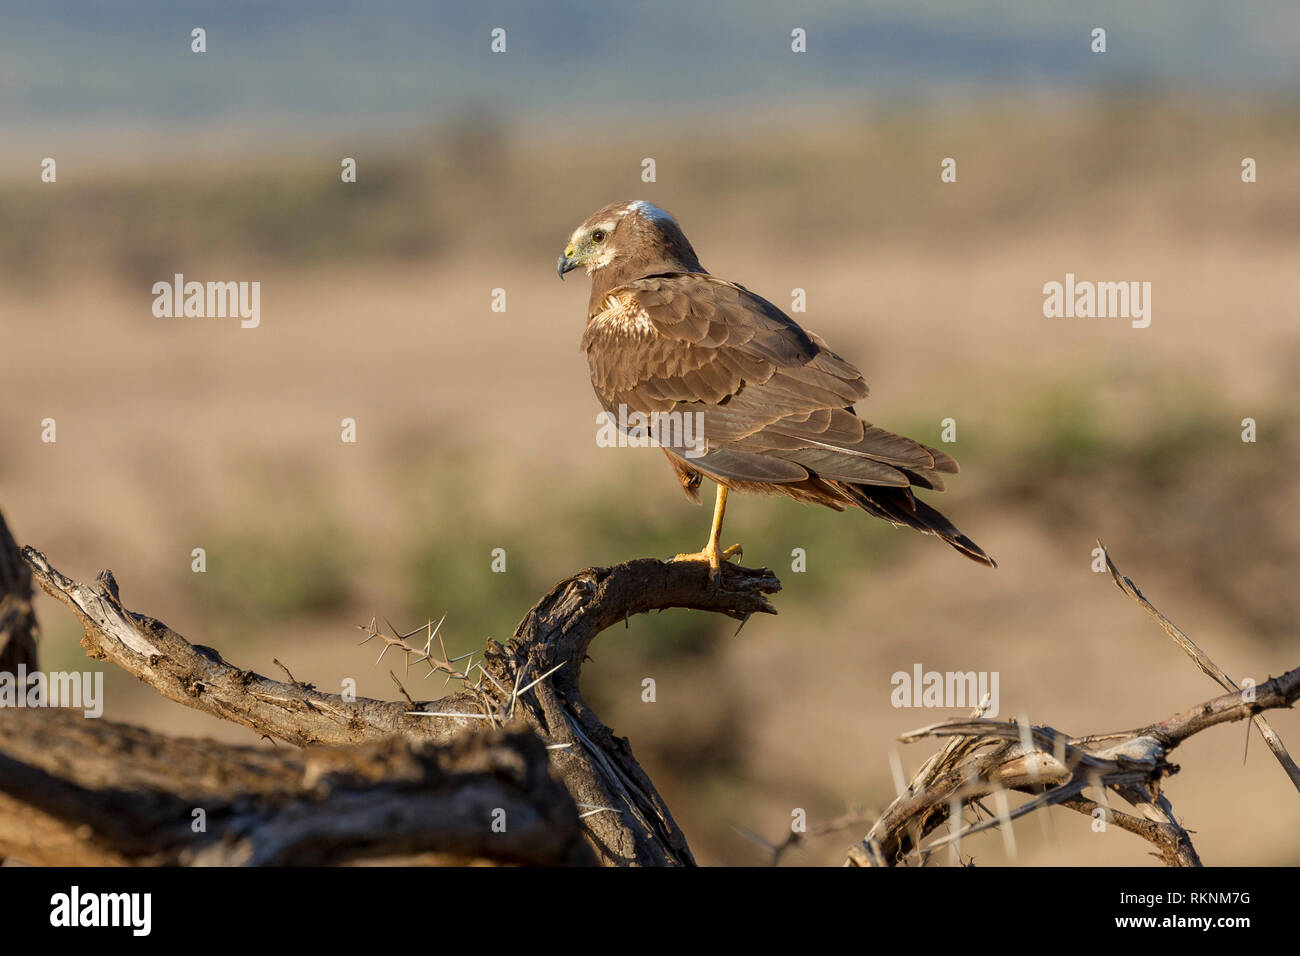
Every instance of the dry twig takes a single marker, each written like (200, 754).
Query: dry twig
(986, 758)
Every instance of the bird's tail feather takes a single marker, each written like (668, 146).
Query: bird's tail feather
(900, 506)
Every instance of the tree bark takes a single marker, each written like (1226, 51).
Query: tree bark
(18, 631)
(527, 689)
(92, 792)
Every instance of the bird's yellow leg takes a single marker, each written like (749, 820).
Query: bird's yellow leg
(713, 552)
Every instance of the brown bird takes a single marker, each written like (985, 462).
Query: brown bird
(732, 388)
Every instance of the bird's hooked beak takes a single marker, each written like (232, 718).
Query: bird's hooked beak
(566, 262)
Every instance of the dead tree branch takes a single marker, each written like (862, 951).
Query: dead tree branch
(599, 767)
(18, 631)
(133, 797)
(199, 677)
(424, 781)
(531, 683)
(986, 758)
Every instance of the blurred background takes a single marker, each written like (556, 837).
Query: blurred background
(816, 170)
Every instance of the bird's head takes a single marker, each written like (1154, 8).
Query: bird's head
(624, 238)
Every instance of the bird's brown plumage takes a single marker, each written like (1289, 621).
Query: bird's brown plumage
(776, 405)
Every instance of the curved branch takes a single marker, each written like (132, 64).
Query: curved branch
(532, 681)
(628, 822)
(985, 757)
(199, 677)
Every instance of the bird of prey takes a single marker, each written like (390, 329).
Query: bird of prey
(773, 405)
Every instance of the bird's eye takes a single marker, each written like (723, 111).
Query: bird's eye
(598, 235)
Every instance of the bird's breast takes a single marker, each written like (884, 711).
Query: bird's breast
(621, 316)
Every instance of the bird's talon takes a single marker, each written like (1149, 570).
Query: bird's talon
(693, 556)
(713, 558)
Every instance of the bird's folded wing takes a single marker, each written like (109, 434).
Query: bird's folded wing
(773, 397)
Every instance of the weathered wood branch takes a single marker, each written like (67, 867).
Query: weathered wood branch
(18, 633)
(987, 758)
(599, 767)
(133, 797)
(423, 781)
(530, 683)
(199, 677)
